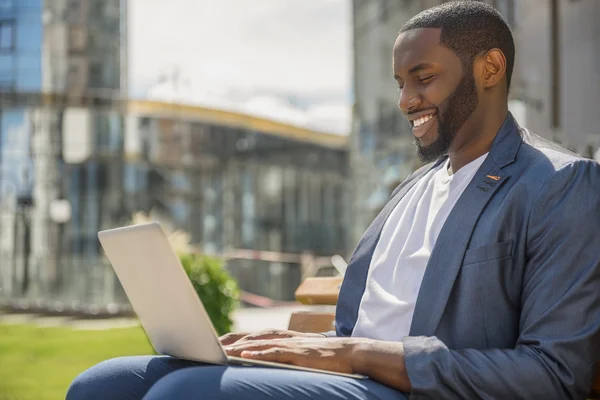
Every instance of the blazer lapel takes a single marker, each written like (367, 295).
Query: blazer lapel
(451, 244)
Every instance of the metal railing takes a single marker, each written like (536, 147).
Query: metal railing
(82, 286)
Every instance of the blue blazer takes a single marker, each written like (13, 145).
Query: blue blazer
(509, 307)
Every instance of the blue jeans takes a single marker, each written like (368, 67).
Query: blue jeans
(160, 377)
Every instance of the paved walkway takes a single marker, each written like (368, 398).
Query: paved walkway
(245, 319)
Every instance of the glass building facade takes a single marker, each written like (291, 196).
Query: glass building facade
(21, 45)
(233, 185)
(230, 186)
(55, 56)
(68, 135)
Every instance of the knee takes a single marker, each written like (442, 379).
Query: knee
(112, 379)
(87, 383)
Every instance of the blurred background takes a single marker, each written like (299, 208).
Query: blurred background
(268, 131)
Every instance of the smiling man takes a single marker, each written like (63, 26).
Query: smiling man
(478, 279)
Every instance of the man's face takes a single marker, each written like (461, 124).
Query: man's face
(437, 95)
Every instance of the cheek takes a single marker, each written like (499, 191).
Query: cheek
(437, 94)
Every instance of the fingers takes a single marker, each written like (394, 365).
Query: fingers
(300, 357)
(237, 349)
(231, 338)
(273, 354)
(283, 355)
(269, 334)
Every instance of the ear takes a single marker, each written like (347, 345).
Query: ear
(493, 67)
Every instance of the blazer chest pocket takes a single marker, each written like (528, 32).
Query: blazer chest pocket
(488, 252)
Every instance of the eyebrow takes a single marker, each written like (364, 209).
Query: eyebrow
(416, 68)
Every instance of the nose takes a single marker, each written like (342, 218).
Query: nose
(408, 101)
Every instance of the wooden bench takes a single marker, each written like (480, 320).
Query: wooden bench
(324, 291)
(316, 291)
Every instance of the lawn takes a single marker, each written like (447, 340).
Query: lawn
(39, 363)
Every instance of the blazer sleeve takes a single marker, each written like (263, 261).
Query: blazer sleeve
(559, 338)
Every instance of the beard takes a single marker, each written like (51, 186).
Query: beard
(458, 107)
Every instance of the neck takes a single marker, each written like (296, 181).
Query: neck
(478, 135)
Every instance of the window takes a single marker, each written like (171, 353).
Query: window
(103, 177)
(74, 12)
(101, 133)
(130, 178)
(77, 74)
(180, 210)
(385, 121)
(112, 9)
(77, 39)
(7, 35)
(5, 5)
(358, 4)
(180, 181)
(96, 73)
(98, 7)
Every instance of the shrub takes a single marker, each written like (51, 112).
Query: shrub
(217, 289)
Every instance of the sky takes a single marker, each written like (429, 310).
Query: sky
(287, 60)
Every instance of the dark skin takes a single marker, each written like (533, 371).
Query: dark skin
(428, 73)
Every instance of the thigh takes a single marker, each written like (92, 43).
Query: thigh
(219, 382)
(124, 378)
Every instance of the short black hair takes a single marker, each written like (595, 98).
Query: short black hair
(468, 28)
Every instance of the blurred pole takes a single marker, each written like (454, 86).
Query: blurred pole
(60, 214)
(15, 267)
(340, 264)
(24, 202)
(26, 247)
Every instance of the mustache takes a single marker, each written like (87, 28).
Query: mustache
(421, 110)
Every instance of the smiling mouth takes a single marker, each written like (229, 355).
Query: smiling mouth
(422, 125)
(422, 120)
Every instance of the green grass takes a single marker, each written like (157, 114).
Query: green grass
(40, 363)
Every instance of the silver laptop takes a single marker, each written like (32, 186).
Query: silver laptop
(164, 299)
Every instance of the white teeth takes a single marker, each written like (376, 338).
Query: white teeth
(420, 121)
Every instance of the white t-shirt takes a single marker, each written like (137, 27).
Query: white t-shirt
(403, 250)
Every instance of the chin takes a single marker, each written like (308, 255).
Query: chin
(428, 139)
(431, 147)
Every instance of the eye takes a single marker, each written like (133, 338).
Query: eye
(426, 78)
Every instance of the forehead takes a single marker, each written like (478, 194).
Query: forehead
(421, 45)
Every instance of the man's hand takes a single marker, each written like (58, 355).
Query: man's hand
(382, 361)
(322, 353)
(232, 338)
